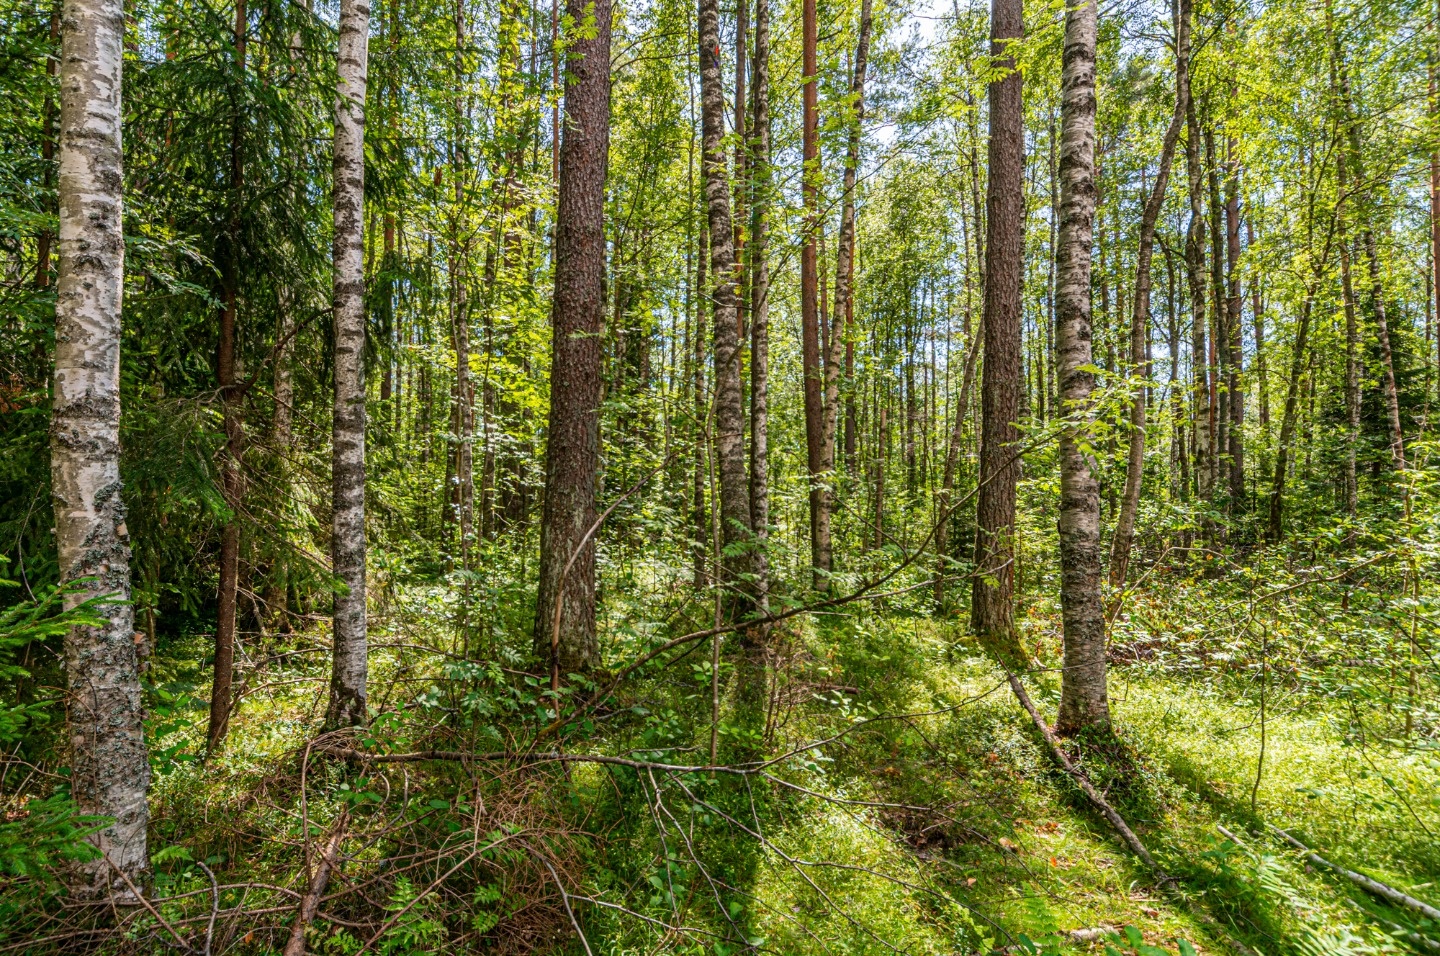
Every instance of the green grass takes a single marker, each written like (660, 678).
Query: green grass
(935, 823)
(1011, 848)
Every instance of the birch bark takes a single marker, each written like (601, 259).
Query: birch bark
(761, 181)
(347, 547)
(110, 771)
(734, 504)
(1083, 701)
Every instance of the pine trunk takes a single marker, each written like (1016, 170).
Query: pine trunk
(993, 590)
(231, 479)
(810, 319)
(572, 454)
(844, 270)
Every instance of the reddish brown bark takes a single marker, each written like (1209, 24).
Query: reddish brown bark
(231, 479)
(993, 590)
(572, 449)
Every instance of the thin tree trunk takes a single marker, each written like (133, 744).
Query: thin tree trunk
(1195, 277)
(1179, 458)
(1233, 331)
(760, 304)
(882, 454)
(281, 423)
(1434, 109)
(734, 504)
(1377, 288)
(1387, 361)
(463, 414)
(573, 446)
(1262, 368)
(813, 388)
(1352, 358)
(109, 766)
(555, 93)
(943, 517)
(1287, 421)
(47, 153)
(701, 412)
(741, 177)
(993, 588)
(851, 408)
(844, 272)
(1083, 698)
(1219, 336)
(1124, 535)
(1047, 399)
(347, 546)
(231, 479)
(281, 428)
(1347, 291)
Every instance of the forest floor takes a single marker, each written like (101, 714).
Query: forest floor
(1015, 840)
(929, 822)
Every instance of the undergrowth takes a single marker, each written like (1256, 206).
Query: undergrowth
(908, 805)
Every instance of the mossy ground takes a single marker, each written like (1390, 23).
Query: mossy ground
(932, 821)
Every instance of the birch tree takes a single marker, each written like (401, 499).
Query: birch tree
(109, 768)
(734, 504)
(347, 548)
(1083, 699)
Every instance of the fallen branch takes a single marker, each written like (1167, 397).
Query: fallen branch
(1058, 753)
(1373, 887)
(1165, 881)
(140, 898)
(1410, 936)
(214, 907)
(310, 903)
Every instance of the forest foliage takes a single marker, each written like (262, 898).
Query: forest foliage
(754, 747)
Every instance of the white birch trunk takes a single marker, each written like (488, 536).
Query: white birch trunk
(110, 773)
(1083, 701)
(734, 504)
(347, 678)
